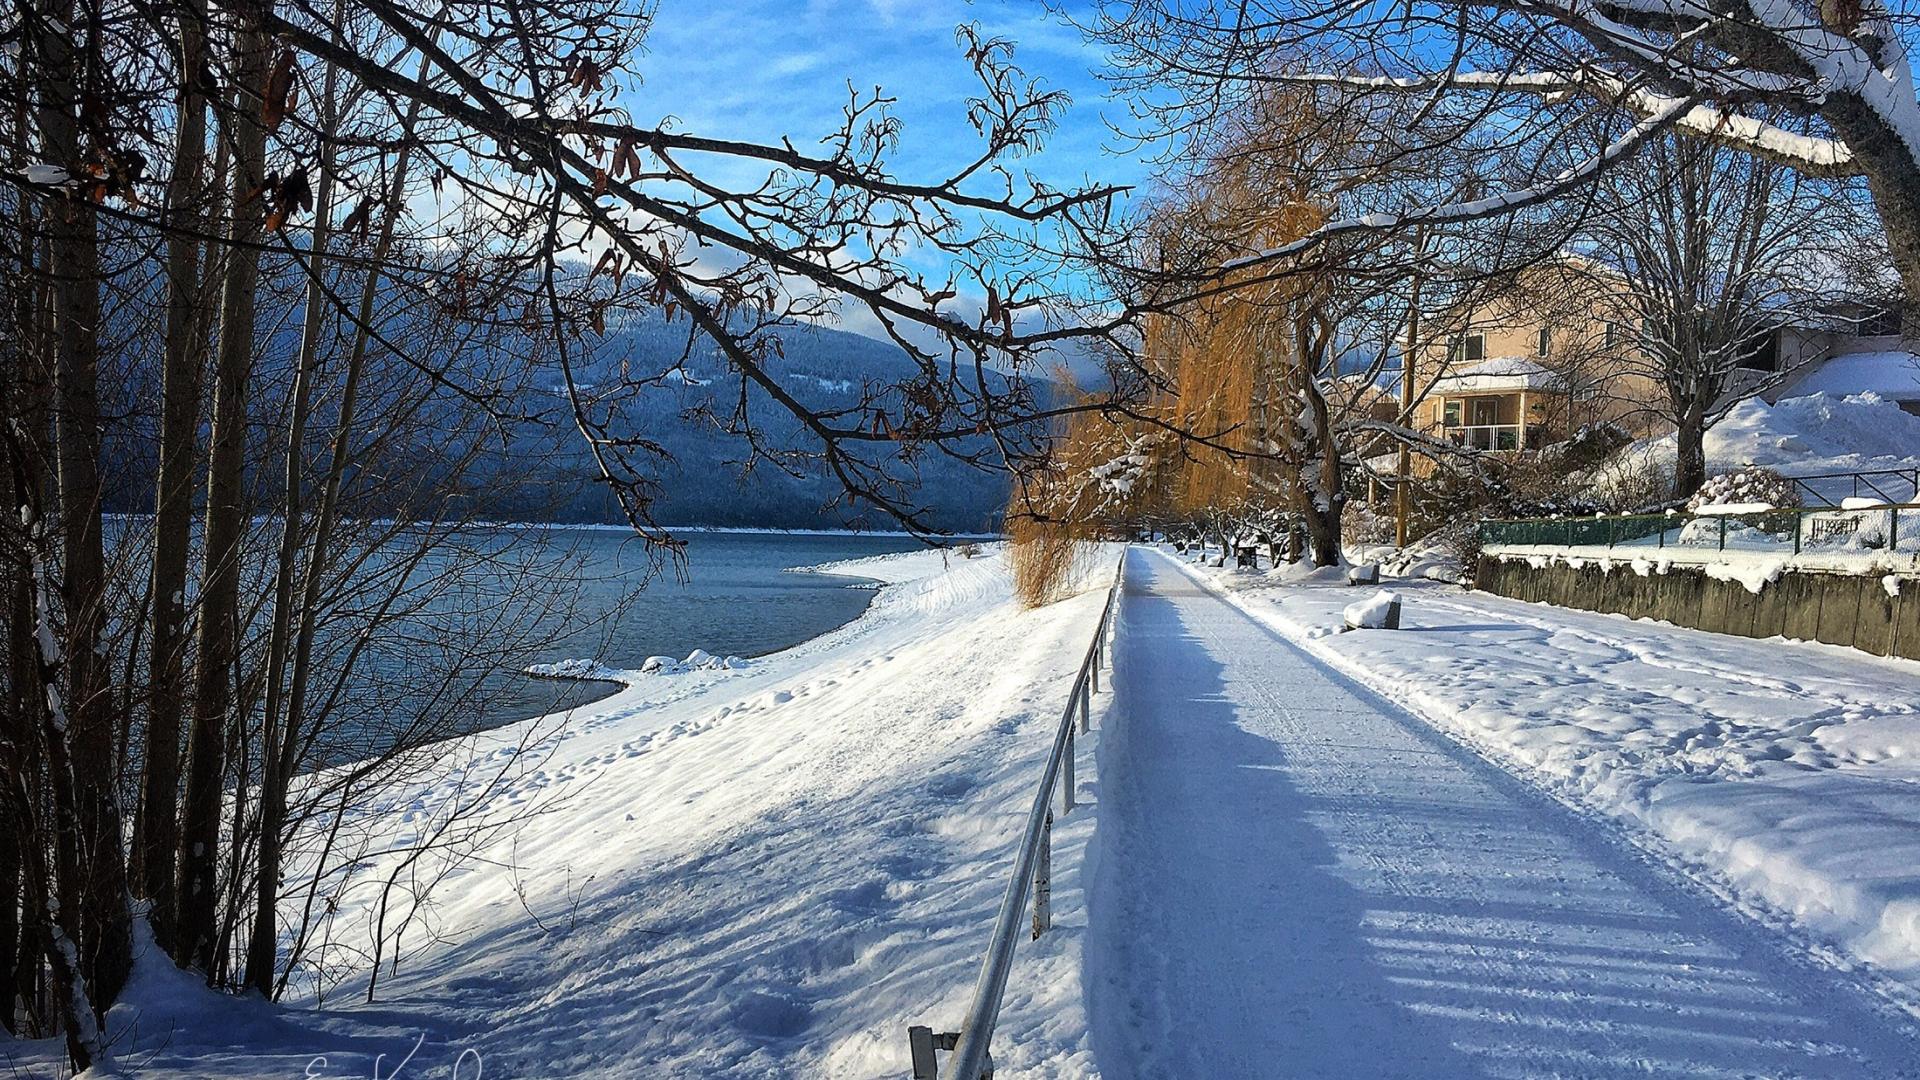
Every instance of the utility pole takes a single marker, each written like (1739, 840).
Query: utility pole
(1403, 487)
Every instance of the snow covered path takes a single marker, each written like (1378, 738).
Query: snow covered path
(1294, 878)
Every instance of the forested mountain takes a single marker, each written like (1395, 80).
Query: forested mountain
(542, 471)
(706, 482)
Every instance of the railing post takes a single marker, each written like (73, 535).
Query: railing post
(1798, 517)
(1893, 529)
(1723, 532)
(1066, 776)
(1086, 710)
(1043, 881)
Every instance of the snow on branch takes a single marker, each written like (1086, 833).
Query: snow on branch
(1811, 154)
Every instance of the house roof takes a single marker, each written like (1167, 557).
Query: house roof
(1500, 373)
(1892, 375)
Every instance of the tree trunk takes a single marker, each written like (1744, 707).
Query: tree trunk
(158, 823)
(1892, 170)
(196, 884)
(29, 387)
(104, 928)
(1690, 462)
(61, 890)
(280, 738)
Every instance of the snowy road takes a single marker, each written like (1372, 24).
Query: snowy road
(1294, 878)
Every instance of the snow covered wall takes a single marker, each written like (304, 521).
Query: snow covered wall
(1876, 613)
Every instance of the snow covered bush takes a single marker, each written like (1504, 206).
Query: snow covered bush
(1588, 446)
(1752, 486)
(1637, 480)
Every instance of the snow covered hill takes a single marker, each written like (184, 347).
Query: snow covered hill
(759, 872)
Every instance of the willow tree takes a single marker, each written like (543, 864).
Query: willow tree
(1247, 352)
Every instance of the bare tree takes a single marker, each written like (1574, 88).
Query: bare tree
(157, 820)
(1715, 249)
(1825, 89)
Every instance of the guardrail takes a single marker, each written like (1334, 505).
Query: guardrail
(1865, 530)
(1885, 484)
(1032, 869)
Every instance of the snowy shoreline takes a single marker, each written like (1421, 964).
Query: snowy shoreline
(764, 871)
(595, 526)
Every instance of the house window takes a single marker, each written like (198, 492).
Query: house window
(1761, 352)
(1450, 415)
(1610, 334)
(1546, 342)
(1881, 322)
(1467, 348)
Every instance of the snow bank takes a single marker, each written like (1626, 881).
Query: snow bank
(766, 872)
(1894, 375)
(1814, 433)
(579, 669)
(1831, 431)
(1779, 774)
(697, 660)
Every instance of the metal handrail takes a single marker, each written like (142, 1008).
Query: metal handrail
(1866, 477)
(1032, 868)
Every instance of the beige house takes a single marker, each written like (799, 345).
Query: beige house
(1556, 352)
(1535, 364)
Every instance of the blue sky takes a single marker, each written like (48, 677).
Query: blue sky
(761, 69)
(764, 69)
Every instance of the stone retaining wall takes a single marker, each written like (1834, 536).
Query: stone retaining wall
(1839, 609)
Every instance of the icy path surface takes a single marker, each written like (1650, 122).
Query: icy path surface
(1294, 878)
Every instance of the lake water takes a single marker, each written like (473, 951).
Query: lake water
(736, 595)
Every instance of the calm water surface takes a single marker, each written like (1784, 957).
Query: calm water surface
(737, 595)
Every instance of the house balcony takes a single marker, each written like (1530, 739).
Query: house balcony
(1487, 436)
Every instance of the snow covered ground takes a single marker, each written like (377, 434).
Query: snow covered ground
(1781, 775)
(758, 872)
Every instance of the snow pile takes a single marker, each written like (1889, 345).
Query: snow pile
(579, 669)
(1833, 432)
(697, 660)
(1799, 436)
(1893, 375)
(1781, 773)
(1707, 531)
